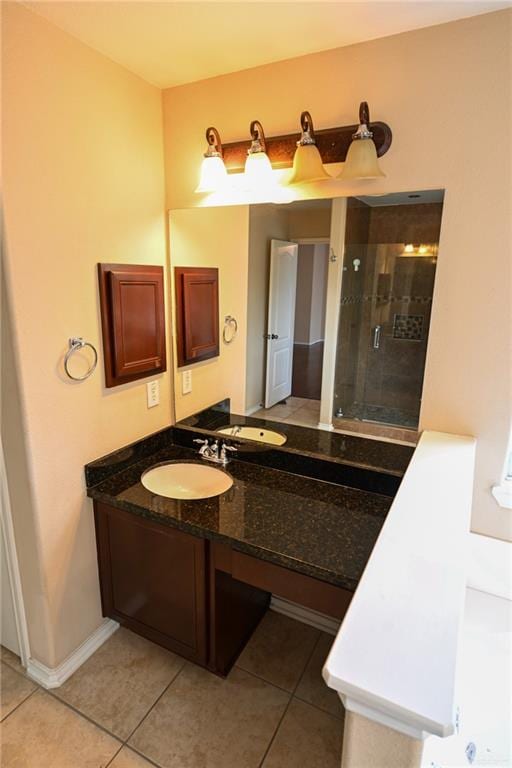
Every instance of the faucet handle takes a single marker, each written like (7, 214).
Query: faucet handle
(223, 457)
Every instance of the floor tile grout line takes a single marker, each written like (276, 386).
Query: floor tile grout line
(319, 709)
(99, 725)
(89, 719)
(293, 693)
(121, 746)
(145, 757)
(292, 696)
(263, 679)
(178, 673)
(307, 662)
(19, 705)
(122, 742)
(272, 739)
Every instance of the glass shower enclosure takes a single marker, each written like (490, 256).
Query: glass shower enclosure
(384, 319)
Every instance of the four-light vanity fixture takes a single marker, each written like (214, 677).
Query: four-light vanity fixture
(357, 146)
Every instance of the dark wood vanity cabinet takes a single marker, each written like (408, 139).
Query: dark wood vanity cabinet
(132, 320)
(201, 599)
(153, 580)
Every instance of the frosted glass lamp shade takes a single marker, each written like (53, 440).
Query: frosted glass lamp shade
(258, 170)
(213, 174)
(361, 161)
(307, 165)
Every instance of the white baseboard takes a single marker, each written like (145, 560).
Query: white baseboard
(50, 677)
(490, 566)
(305, 615)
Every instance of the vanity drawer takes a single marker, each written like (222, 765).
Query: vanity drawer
(153, 580)
(283, 582)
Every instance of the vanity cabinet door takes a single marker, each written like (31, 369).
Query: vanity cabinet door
(197, 313)
(153, 580)
(133, 321)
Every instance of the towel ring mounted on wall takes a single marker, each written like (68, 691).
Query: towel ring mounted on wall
(230, 329)
(76, 343)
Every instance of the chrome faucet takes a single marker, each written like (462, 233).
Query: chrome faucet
(215, 453)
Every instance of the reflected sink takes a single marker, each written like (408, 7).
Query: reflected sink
(186, 480)
(259, 434)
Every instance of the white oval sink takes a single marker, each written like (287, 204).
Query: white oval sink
(260, 434)
(186, 480)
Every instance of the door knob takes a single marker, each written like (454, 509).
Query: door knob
(270, 336)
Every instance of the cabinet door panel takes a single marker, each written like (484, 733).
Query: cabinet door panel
(153, 580)
(197, 308)
(133, 321)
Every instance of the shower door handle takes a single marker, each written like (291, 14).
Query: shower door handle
(376, 336)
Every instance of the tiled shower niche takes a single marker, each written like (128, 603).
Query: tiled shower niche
(386, 300)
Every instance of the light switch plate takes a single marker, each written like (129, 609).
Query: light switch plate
(186, 382)
(153, 393)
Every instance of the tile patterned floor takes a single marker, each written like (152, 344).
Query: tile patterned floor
(296, 410)
(136, 705)
(306, 413)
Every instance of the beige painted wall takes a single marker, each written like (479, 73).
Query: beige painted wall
(304, 296)
(367, 744)
(266, 222)
(314, 222)
(318, 293)
(311, 293)
(439, 88)
(83, 183)
(215, 238)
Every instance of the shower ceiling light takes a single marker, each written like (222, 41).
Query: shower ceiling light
(361, 161)
(420, 250)
(213, 171)
(307, 161)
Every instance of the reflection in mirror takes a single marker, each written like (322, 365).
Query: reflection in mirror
(338, 307)
(366, 375)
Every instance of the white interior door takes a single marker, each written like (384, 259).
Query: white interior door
(281, 320)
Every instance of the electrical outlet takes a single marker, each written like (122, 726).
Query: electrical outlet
(186, 382)
(153, 393)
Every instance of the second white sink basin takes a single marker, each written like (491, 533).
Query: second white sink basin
(260, 434)
(186, 480)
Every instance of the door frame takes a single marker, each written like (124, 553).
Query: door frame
(332, 309)
(268, 350)
(13, 568)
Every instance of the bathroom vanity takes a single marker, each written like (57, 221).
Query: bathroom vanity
(196, 576)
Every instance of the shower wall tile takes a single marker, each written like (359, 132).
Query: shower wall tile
(405, 223)
(408, 327)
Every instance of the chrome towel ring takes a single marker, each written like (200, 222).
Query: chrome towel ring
(230, 329)
(75, 343)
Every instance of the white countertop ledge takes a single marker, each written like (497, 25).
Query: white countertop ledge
(394, 658)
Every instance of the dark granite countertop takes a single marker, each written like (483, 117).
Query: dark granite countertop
(313, 527)
(349, 450)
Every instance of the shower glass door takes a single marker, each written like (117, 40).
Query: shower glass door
(383, 330)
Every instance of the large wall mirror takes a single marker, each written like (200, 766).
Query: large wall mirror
(332, 300)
